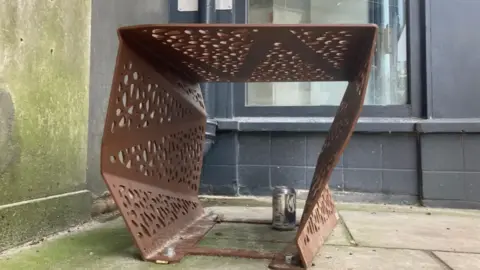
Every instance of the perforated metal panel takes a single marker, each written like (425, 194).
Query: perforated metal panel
(152, 150)
(319, 216)
(154, 131)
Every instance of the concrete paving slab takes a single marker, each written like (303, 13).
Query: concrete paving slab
(460, 261)
(242, 244)
(366, 207)
(188, 263)
(260, 237)
(358, 258)
(247, 213)
(414, 231)
(338, 237)
(110, 246)
(263, 233)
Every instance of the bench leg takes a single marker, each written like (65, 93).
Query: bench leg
(152, 151)
(320, 216)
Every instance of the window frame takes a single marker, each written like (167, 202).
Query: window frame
(415, 64)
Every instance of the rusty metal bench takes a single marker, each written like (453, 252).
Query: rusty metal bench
(155, 124)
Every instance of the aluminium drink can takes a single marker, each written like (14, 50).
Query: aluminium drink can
(284, 204)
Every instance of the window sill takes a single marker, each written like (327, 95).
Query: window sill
(452, 125)
(373, 111)
(314, 124)
(364, 124)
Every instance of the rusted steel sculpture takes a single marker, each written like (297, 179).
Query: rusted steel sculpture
(154, 129)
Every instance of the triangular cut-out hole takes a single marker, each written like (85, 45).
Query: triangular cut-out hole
(282, 64)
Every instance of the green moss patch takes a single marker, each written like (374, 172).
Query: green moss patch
(110, 246)
(46, 48)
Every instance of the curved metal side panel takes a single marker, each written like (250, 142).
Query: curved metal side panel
(152, 151)
(320, 216)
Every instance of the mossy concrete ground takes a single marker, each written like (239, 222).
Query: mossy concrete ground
(368, 237)
(44, 79)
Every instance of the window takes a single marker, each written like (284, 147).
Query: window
(388, 81)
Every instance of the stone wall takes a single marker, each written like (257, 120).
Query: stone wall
(44, 83)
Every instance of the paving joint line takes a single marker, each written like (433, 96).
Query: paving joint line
(438, 259)
(349, 235)
(404, 248)
(250, 240)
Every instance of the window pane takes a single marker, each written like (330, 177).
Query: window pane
(388, 81)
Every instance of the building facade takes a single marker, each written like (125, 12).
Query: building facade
(416, 140)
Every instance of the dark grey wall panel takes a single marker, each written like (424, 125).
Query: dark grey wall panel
(472, 186)
(363, 180)
(223, 151)
(451, 167)
(373, 163)
(444, 186)
(454, 58)
(288, 149)
(107, 16)
(471, 152)
(254, 148)
(220, 167)
(246, 163)
(363, 151)
(288, 176)
(442, 152)
(219, 180)
(337, 181)
(404, 182)
(314, 145)
(399, 152)
(254, 180)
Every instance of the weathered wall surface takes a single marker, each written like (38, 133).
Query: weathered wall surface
(44, 78)
(107, 16)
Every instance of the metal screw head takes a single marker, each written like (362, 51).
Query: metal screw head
(291, 259)
(288, 258)
(169, 252)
